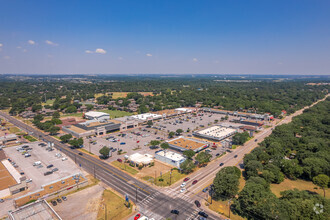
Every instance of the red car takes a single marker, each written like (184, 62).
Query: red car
(137, 216)
(195, 181)
(186, 179)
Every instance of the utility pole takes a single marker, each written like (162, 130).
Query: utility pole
(229, 207)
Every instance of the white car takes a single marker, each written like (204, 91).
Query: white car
(64, 158)
(182, 190)
(28, 180)
(183, 185)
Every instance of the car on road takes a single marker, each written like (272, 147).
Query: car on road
(203, 214)
(235, 156)
(64, 198)
(80, 153)
(54, 203)
(194, 182)
(221, 164)
(183, 185)
(197, 203)
(182, 190)
(186, 179)
(256, 140)
(174, 211)
(137, 216)
(205, 189)
(49, 166)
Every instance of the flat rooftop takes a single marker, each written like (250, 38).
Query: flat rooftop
(39, 210)
(6, 179)
(216, 131)
(170, 155)
(186, 143)
(96, 114)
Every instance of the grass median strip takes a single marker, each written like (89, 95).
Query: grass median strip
(125, 167)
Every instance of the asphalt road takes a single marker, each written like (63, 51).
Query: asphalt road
(140, 193)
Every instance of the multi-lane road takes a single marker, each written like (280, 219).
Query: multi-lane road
(155, 202)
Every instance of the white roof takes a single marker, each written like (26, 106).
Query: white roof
(96, 114)
(146, 116)
(171, 155)
(141, 158)
(183, 109)
(217, 131)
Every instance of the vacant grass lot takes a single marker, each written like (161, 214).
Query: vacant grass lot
(113, 207)
(30, 138)
(166, 178)
(298, 184)
(78, 114)
(49, 102)
(14, 129)
(116, 95)
(116, 113)
(124, 166)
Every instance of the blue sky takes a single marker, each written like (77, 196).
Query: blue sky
(165, 36)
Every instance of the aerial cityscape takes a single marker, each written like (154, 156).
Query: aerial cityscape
(165, 110)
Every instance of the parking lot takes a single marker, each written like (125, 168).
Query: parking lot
(30, 167)
(137, 140)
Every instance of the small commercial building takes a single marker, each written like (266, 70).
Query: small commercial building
(39, 210)
(170, 157)
(8, 137)
(147, 116)
(250, 122)
(138, 159)
(92, 127)
(215, 133)
(98, 116)
(182, 144)
(127, 122)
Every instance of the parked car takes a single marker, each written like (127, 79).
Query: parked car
(183, 185)
(49, 166)
(235, 156)
(137, 216)
(256, 140)
(194, 182)
(182, 190)
(217, 155)
(122, 143)
(186, 179)
(54, 203)
(119, 160)
(48, 173)
(1, 200)
(174, 211)
(55, 169)
(64, 198)
(59, 200)
(28, 180)
(197, 203)
(221, 164)
(203, 214)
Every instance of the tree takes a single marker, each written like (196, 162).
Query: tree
(71, 109)
(104, 151)
(226, 182)
(171, 134)
(36, 108)
(165, 146)
(56, 121)
(76, 142)
(150, 123)
(56, 114)
(322, 181)
(154, 142)
(53, 130)
(203, 158)
(65, 138)
(89, 107)
(240, 138)
(179, 131)
(38, 117)
(252, 168)
(189, 154)
(187, 166)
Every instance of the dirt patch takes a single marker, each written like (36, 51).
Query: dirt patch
(158, 169)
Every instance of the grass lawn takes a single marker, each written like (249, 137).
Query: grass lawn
(116, 113)
(115, 207)
(125, 167)
(14, 129)
(299, 184)
(49, 102)
(78, 114)
(30, 138)
(223, 208)
(176, 176)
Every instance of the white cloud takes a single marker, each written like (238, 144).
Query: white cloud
(88, 51)
(6, 57)
(149, 55)
(100, 50)
(216, 61)
(279, 63)
(18, 47)
(24, 50)
(1, 45)
(51, 43)
(31, 42)
(120, 58)
(195, 59)
(49, 56)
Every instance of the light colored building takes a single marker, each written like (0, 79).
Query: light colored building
(99, 116)
(216, 133)
(8, 137)
(147, 116)
(138, 158)
(170, 157)
(183, 110)
(182, 144)
(39, 210)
